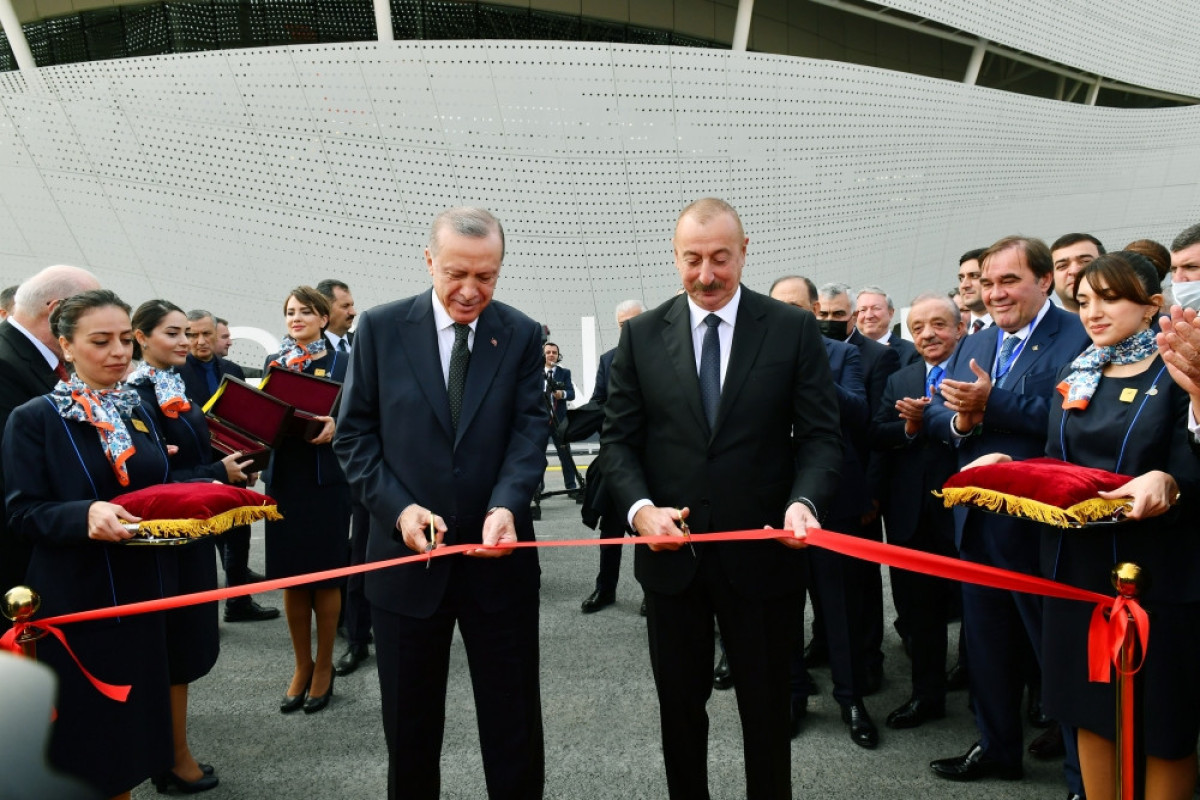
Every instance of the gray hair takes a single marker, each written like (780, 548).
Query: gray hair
(625, 306)
(51, 284)
(955, 314)
(477, 223)
(834, 290)
(6, 298)
(1186, 239)
(197, 314)
(874, 290)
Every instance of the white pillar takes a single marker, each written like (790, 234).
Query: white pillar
(976, 62)
(16, 37)
(383, 20)
(1093, 92)
(741, 29)
(587, 360)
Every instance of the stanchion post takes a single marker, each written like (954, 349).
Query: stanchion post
(20, 604)
(1128, 579)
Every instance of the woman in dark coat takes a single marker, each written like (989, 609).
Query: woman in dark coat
(1122, 412)
(66, 455)
(192, 638)
(314, 498)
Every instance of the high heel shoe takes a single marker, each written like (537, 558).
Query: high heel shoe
(314, 704)
(292, 703)
(164, 782)
(207, 769)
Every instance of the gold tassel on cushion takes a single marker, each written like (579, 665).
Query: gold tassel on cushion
(1091, 510)
(196, 528)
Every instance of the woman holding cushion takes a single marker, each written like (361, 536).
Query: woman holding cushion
(192, 638)
(66, 455)
(314, 498)
(1122, 412)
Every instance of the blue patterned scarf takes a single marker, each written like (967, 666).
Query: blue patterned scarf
(294, 357)
(1079, 386)
(104, 410)
(168, 388)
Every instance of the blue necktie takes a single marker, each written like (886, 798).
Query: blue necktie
(710, 370)
(1006, 349)
(933, 380)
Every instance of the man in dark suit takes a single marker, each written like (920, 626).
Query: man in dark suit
(873, 314)
(834, 577)
(559, 390)
(611, 519)
(912, 465)
(202, 373)
(969, 291)
(721, 411)
(31, 362)
(442, 431)
(995, 398)
(838, 318)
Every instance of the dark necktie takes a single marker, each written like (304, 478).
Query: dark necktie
(549, 384)
(933, 380)
(61, 372)
(459, 357)
(342, 348)
(977, 326)
(1006, 350)
(710, 370)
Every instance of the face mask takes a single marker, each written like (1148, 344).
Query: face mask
(837, 328)
(1187, 294)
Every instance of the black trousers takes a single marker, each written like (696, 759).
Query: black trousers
(923, 602)
(612, 526)
(356, 611)
(759, 635)
(413, 656)
(234, 549)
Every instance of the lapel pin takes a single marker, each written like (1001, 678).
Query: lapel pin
(1035, 347)
(493, 342)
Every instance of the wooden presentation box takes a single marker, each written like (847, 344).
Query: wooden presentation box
(242, 418)
(309, 396)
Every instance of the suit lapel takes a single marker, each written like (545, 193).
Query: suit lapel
(1039, 341)
(419, 330)
(26, 350)
(748, 335)
(491, 341)
(681, 354)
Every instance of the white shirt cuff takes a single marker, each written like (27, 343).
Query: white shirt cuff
(636, 507)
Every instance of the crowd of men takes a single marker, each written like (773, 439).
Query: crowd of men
(724, 409)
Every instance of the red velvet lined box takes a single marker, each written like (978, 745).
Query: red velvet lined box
(311, 396)
(242, 418)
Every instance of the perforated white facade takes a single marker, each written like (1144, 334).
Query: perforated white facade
(223, 179)
(1151, 43)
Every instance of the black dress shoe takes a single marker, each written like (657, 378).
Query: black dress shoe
(973, 765)
(1075, 796)
(816, 653)
(797, 713)
(862, 728)
(1049, 744)
(249, 611)
(355, 654)
(596, 601)
(207, 769)
(722, 675)
(914, 713)
(1036, 714)
(314, 703)
(169, 780)
(292, 703)
(956, 678)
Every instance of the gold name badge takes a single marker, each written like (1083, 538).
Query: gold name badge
(320, 373)
(1128, 395)
(140, 426)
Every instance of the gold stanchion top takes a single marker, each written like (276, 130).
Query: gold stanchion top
(20, 603)
(1129, 579)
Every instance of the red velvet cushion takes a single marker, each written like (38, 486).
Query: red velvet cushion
(1043, 489)
(195, 509)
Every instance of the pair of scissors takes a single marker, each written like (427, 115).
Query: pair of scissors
(429, 548)
(687, 533)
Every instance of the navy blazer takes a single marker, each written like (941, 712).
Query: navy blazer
(878, 362)
(397, 447)
(906, 350)
(195, 386)
(911, 469)
(850, 501)
(562, 375)
(600, 390)
(1014, 423)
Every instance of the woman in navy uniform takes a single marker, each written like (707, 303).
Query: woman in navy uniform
(66, 455)
(1122, 412)
(159, 330)
(314, 498)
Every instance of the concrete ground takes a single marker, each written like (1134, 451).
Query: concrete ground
(601, 715)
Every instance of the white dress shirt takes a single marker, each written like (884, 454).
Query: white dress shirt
(445, 334)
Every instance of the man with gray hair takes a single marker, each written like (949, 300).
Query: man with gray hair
(6, 301)
(874, 311)
(31, 362)
(612, 521)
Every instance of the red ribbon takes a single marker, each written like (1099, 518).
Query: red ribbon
(1106, 637)
(9, 642)
(1104, 640)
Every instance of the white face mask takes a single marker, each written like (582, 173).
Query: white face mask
(1187, 294)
